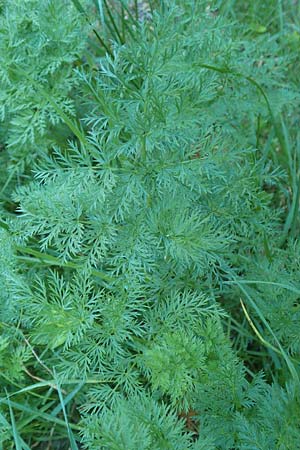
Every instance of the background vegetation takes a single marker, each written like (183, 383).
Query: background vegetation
(149, 228)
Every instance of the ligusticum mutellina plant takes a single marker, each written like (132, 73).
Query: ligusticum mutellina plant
(148, 300)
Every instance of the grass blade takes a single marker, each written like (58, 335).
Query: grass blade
(19, 443)
(80, 8)
(68, 398)
(51, 260)
(285, 356)
(15, 432)
(272, 283)
(37, 413)
(63, 407)
(113, 24)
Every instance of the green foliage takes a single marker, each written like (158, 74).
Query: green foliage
(150, 188)
(36, 46)
(139, 423)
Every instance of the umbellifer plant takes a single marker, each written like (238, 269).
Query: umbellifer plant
(145, 255)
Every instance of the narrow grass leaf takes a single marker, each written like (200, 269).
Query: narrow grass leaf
(67, 399)
(19, 442)
(37, 413)
(63, 407)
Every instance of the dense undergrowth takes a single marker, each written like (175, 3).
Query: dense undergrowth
(149, 251)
